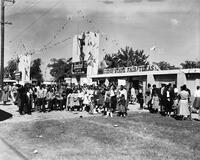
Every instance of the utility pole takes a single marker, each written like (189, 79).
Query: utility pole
(2, 38)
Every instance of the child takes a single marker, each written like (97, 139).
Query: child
(122, 106)
(86, 101)
(155, 102)
(91, 104)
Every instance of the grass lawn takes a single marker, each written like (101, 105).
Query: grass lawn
(140, 136)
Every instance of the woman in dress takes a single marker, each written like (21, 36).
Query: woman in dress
(184, 103)
(5, 94)
(122, 106)
(86, 101)
(196, 104)
(155, 102)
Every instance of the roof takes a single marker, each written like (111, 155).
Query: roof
(144, 73)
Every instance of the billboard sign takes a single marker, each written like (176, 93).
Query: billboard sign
(79, 68)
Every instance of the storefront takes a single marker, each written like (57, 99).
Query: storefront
(141, 76)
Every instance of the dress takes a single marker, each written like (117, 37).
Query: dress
(155, 103)
(5, 94)
(122, 105)
(133, 94)
(75, 99)
(183, 104)
(69, 100)
(86, 99)
(196, 103)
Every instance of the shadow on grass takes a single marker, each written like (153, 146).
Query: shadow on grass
(4, 115)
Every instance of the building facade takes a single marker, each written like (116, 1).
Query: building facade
(141, 76)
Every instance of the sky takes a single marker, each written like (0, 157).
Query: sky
(172, 26)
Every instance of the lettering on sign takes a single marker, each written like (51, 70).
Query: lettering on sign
(79, 68)
(131, 69)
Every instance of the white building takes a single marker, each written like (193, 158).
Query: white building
(85, 57)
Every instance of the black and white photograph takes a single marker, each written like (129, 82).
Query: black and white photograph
(100, 80)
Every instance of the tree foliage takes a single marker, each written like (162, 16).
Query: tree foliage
(165, 65)
(126, 57)
(9, 71)
(190, 64)
(35, 71)
(60, 68)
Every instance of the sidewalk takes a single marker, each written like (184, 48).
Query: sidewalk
(8, 152)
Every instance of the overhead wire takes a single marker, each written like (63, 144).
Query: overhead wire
(50, 43)
(35, 21)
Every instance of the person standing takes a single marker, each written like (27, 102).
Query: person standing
(155, 102)
(14, 92)
(175, 99)
(168, 99)
(184, 102)
(196, 103)
(40, 99)
(162, 103)
(50, 99)
(24, 101)
(86, 101)
(80, 98)
(107, 103)
(123, 91)
(122, 106)
(69, 101)
(133, 95)
(29, 93)
(140, 98)
(113, 97)
(18, 100)
(148, 96)
(5, 94)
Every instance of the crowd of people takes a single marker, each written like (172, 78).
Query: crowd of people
(102, 99)
(167, 100)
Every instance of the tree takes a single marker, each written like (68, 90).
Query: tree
(60, 68)
(35, 71)
(190, 64)
(165, 65)
(10, 69)
(126, 57)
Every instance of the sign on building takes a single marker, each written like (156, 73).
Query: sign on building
(131, 69)
(79, 68)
